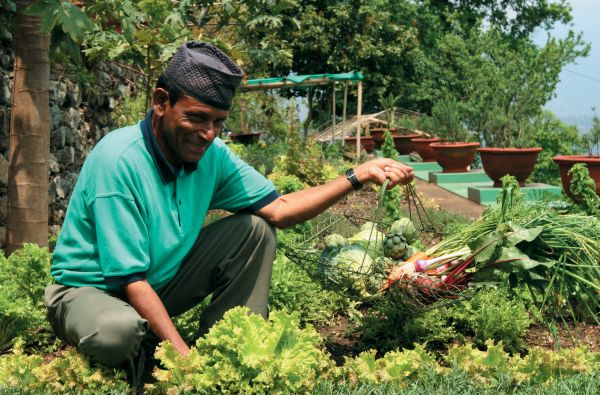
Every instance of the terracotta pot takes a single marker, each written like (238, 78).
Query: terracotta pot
(565, 162)
(366, 142)
(245, 138)
(421, 145)
(403, 142)
(454, 157)
(518, 162)
(378, 135)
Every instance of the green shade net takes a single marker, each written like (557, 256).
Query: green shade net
(305, 80)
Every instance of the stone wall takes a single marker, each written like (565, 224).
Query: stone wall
(80, 117)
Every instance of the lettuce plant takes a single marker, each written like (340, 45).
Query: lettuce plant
(243, 353)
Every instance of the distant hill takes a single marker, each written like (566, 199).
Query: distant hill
(583, 122)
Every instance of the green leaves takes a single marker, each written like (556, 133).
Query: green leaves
(72, 20)
(243, 353)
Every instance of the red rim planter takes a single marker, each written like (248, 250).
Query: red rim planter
(366, 142)
(565, 162)
(245, 138)
(403, 142)
(454, 157)
(378, 135)
(518, 162)
(421, 145)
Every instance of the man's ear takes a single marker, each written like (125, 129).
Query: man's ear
(160, 100)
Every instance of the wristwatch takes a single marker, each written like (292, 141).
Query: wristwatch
(356, 185)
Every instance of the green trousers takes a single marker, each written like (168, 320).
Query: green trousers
(232, 260)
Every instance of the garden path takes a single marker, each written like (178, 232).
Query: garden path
(449, 201)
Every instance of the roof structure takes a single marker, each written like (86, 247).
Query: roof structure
(298, 81)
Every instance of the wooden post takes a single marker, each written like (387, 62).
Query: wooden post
(358, 117)
(333, 114)
(345, 101)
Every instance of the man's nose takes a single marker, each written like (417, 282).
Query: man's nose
(207, 131)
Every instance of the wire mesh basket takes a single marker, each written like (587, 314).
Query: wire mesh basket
(344, 253)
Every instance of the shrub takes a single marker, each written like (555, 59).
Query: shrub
(67, 372)
(23, 278)
(292, 290)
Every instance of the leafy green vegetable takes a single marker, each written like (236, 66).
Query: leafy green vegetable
(406, 228)
(243, 353)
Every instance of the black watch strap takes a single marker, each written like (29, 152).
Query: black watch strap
(356, 185)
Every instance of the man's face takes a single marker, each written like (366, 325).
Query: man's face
(186, 129)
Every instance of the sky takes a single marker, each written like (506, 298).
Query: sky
(579, 88)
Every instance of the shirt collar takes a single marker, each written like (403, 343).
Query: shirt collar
(167, 171)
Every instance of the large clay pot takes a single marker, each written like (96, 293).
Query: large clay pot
(366, 142)
(565, 162)
(518, 162)
(454, 157)
(403, 142)
(421, 145)
(378, 135)
(245, 138)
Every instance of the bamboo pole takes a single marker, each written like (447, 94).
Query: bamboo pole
(345, 101)
(358, 116)
(333, 114)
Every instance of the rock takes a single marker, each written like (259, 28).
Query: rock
(65, 156)
(73, 118)
(73, 94)
(53, 165)
(3, 209)
(57, 137)
(6, 91)
(56, 115)
(5, 61)
(58, 92)
(3, 170)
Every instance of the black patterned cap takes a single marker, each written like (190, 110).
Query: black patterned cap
(204, 72)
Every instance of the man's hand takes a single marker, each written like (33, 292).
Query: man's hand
(378, 170)
(147, 303)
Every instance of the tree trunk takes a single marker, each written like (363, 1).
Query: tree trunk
(29, 151)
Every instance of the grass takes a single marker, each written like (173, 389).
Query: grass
(460, 383)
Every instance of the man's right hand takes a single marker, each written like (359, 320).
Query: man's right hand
(148, 304)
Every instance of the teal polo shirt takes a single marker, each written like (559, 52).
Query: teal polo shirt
(133, 215)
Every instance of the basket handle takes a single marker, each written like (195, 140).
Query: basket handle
(382, 192)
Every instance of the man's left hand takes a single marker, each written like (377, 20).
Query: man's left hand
(378, 170)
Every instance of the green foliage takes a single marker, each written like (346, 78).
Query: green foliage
(495, 366)
(447, 121)
(556, 138)
(285, 183)
(398, 367)
(494, 314)
(303, 159)
(502, 100)
(293, 291)
(591, 139)
(67, 23)
(392, 202)
(262, 155)
(129, 110)
(23, 277)
(388, 149)
(67, 372)
(583, 188)
(491, 314)
(243, 353)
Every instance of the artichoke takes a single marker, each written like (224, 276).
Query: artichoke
(394, 245)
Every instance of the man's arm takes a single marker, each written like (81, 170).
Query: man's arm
(300, 206)
(147, 303)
